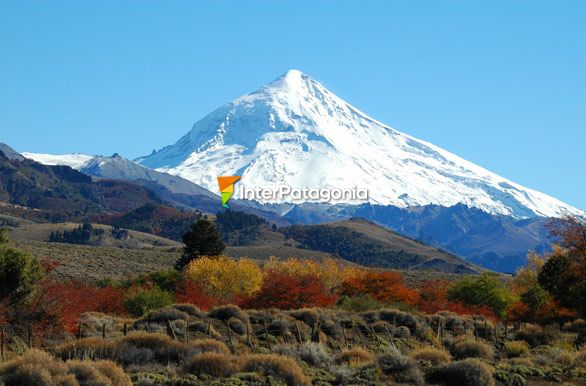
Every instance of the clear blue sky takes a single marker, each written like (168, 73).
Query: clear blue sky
(500, 83)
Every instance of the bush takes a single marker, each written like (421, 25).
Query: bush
(431, 356)
(356, 356)
(402, 369)
(314, 354)
(279, 367)
(201, 346)
(463, 349)
(141, 300)
(142, 347)
(305, 315)
(189, 309)
(516, 348)
(35, 368)
(400, 318)
(113, 372)
(402, 332)
(462, 373)
(534, 335)
(580, 358)
(87, 374)
(87, 348)
(213, 364)
(227, 312)
(163, 315)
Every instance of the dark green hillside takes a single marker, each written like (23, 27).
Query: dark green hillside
(63, 193)
(368, 244)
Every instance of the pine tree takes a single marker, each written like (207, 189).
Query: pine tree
(202, 239)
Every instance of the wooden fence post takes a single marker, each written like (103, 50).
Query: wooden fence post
(30, 336)
(2, 343)
(104, 331)
(345, 336)
(125, 329)
(79, 331)
(298, 333)
(170, 330)
(230, 337)
(267, 334)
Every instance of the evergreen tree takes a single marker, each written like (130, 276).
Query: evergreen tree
(202, 239)
(19, 273)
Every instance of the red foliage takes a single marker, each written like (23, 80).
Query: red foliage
(284, 291)
(385, 286)
(433, 297)
(189, 292)
(63, 303)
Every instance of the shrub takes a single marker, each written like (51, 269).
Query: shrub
(400, 318)
(87, 348)
(113, 372)
(35, 368)
(279, 367)
(462, 373)
(189, 309)
(580, 358)
(534, 335)
(164, 314)
(211, 363)
(431, 356)
(87, 374)
(204, 328)
(402, 332)
(208, 345)
(227, 312)
(356, 356)
(516, 348)
(402, 369)
(142, 347)
(463, 349)
(141, 300)
(382, 327)
(305, 315)
(314, 354)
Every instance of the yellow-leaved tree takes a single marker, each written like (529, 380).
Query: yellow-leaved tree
(224, 277)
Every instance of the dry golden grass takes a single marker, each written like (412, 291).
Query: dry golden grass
(431, 356)
(208, 345)
(281, 368)
(213, 364)
(356, 356)
(36, 368)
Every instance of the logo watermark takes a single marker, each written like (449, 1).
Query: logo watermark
(226, 184)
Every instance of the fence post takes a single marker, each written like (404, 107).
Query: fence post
(79, 331)
(345, 336)
(267, 334)
(298, 333)
(104, 331)
(230, 337)
(125, 329)
(30, 336)
(209, 330)
(170, 330)
(2, 343)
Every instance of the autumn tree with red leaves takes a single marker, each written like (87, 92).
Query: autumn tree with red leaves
(383, 286)
(285, 292)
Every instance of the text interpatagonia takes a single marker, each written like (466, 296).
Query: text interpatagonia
(287, 193)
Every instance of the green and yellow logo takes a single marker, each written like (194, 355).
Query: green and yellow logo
(226, 184)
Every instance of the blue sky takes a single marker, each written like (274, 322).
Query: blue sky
(500, 83)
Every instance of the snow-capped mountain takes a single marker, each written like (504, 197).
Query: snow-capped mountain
(295, 132)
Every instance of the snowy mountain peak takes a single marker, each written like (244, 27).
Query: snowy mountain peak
(295, 132)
